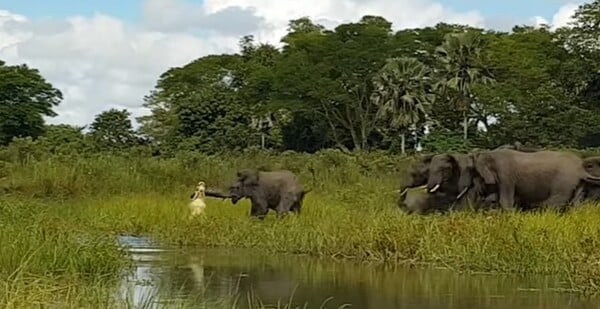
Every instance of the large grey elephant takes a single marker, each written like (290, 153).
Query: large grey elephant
(455, 175)
(549, 178)
(279, 190)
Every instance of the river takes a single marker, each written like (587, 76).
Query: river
(204, 277)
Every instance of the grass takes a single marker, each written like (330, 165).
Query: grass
(58, 217)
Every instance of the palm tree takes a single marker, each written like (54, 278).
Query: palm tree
(460, 56)
(402, 93)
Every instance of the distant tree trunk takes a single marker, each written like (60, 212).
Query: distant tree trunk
(465, 124)
(403, 143)
(262, 140)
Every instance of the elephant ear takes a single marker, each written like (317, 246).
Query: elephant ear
(248, 177)
(483, 166)
(466, 169)
(426, 158)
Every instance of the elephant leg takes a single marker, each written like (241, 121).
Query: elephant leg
(592, 193)
(490, 200)
(285, 205)
(258, 210)
(557, 201)
(296, 207)
(507, 197)
(578, 195)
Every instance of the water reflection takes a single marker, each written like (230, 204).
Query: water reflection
(221, 275)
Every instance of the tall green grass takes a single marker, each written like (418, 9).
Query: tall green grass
(59, 215)
(101, 175)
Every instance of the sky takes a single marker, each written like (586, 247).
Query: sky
(106, 54)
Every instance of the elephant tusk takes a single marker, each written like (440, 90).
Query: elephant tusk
(403, 193)
(434, 188)
(462, 193)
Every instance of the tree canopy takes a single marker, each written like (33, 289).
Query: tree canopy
(25, 97)
(358, 86)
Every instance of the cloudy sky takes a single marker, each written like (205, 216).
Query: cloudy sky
(109, 53)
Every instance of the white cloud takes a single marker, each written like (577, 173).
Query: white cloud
(100, 62)
(402, 13)
(564, 14)
(560, 19)
(177, 15)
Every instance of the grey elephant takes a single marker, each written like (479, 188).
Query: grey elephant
(279, 190)
(455, 175)
(592, 166)
(549, 178)
(418, 201)
(417, 174)
(520, 147)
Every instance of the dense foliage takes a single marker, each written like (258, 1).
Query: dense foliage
(359, 86)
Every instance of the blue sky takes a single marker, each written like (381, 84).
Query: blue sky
(123, 9)
(130, 10)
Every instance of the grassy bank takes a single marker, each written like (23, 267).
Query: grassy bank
(542, 243)
(59, 214)
(50, 260)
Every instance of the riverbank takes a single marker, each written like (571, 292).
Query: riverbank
(525, 244)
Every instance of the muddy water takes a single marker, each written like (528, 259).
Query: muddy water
(206, 277)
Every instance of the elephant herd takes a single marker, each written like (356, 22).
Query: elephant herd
(509, 177)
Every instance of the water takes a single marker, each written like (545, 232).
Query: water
(203, 276)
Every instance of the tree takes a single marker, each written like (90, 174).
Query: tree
(256, 93)
(63, 139)
(330, 73)
(581, 34)
(533, 99)
(112, 130)
(25, 97)
(403, 94)
(580, 39)
(460, 55)
(200, 107)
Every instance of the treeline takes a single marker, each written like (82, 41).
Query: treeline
(359, 86)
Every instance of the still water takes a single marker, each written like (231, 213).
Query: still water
(200, 277)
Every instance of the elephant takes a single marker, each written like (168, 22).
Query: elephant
(592, 166)
(417, 174)
(455, 175)
(519, 147)
(550, 178)
(279, 190)
(418, 201)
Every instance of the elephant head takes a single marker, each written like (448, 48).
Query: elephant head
(592, 165)
(244, 186)
(417, 175)
(451, 174)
